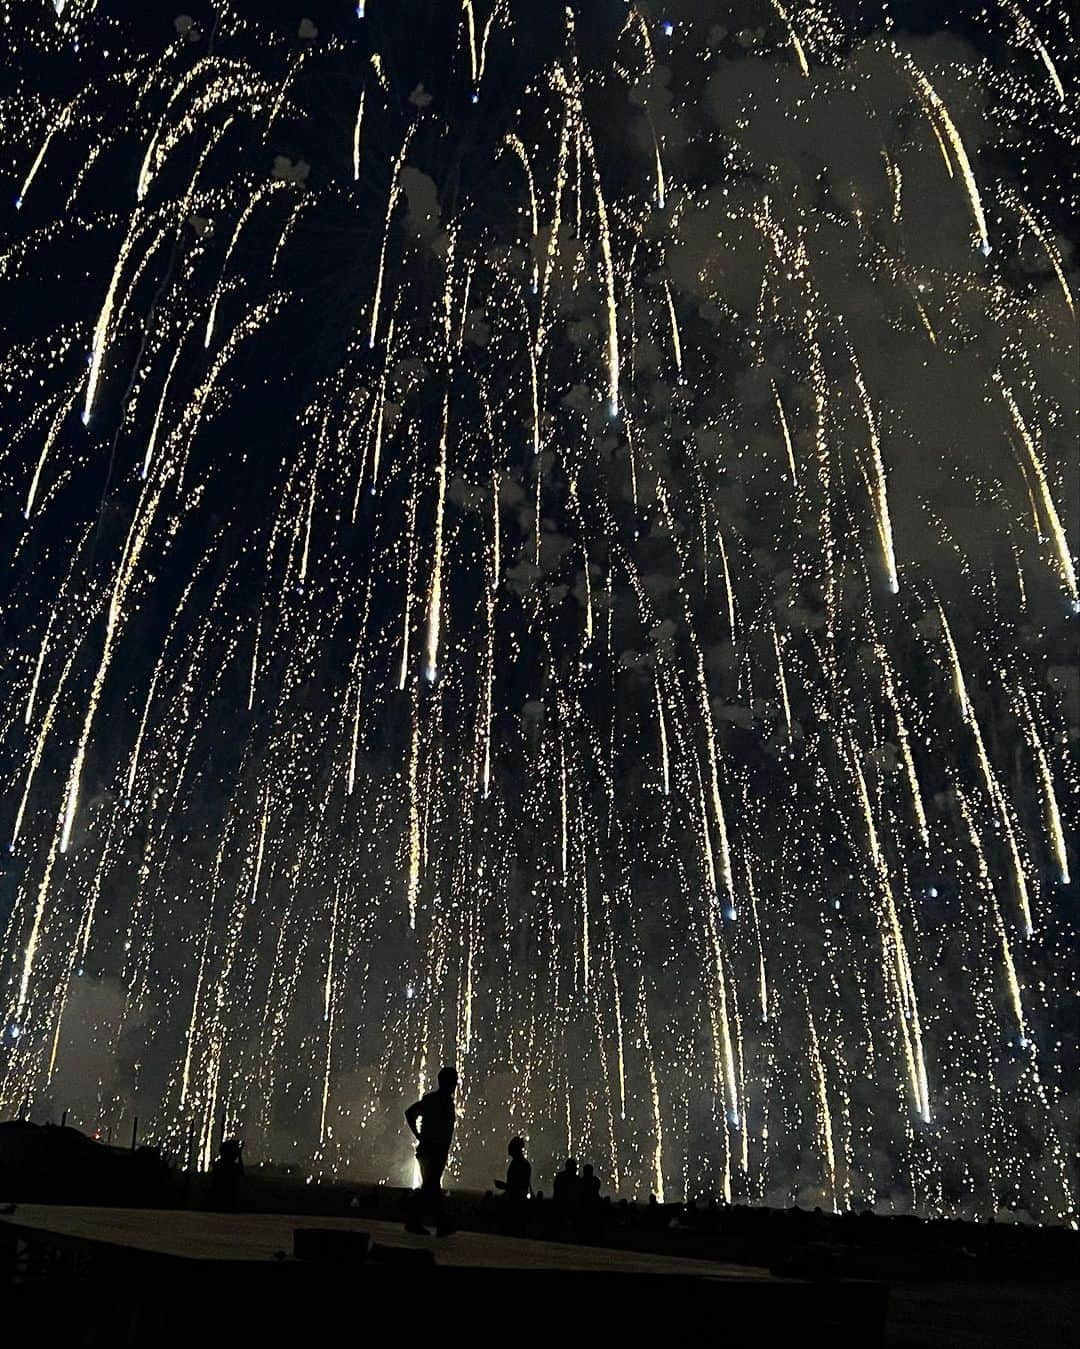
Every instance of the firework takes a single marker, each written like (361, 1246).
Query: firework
(567, 568)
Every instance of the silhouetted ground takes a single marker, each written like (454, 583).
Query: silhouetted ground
(951, 1283)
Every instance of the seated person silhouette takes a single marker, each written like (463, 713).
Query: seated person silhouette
(517, 1186)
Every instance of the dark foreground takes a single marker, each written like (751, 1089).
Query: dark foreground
(112, 1247)
(118, 1277)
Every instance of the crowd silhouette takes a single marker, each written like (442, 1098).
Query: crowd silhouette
(576, 1203)
(577, 1210)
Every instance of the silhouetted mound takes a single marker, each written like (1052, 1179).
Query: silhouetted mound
(45, 1163)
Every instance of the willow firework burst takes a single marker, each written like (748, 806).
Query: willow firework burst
(543, 540)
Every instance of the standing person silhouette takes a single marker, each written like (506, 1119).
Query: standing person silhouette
(435, 1111)
(226, 1174)
(566, 1191)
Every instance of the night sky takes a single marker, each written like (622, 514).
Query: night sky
(542, 537)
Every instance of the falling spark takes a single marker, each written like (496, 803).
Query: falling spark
(1057, 531)
(939, 114)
